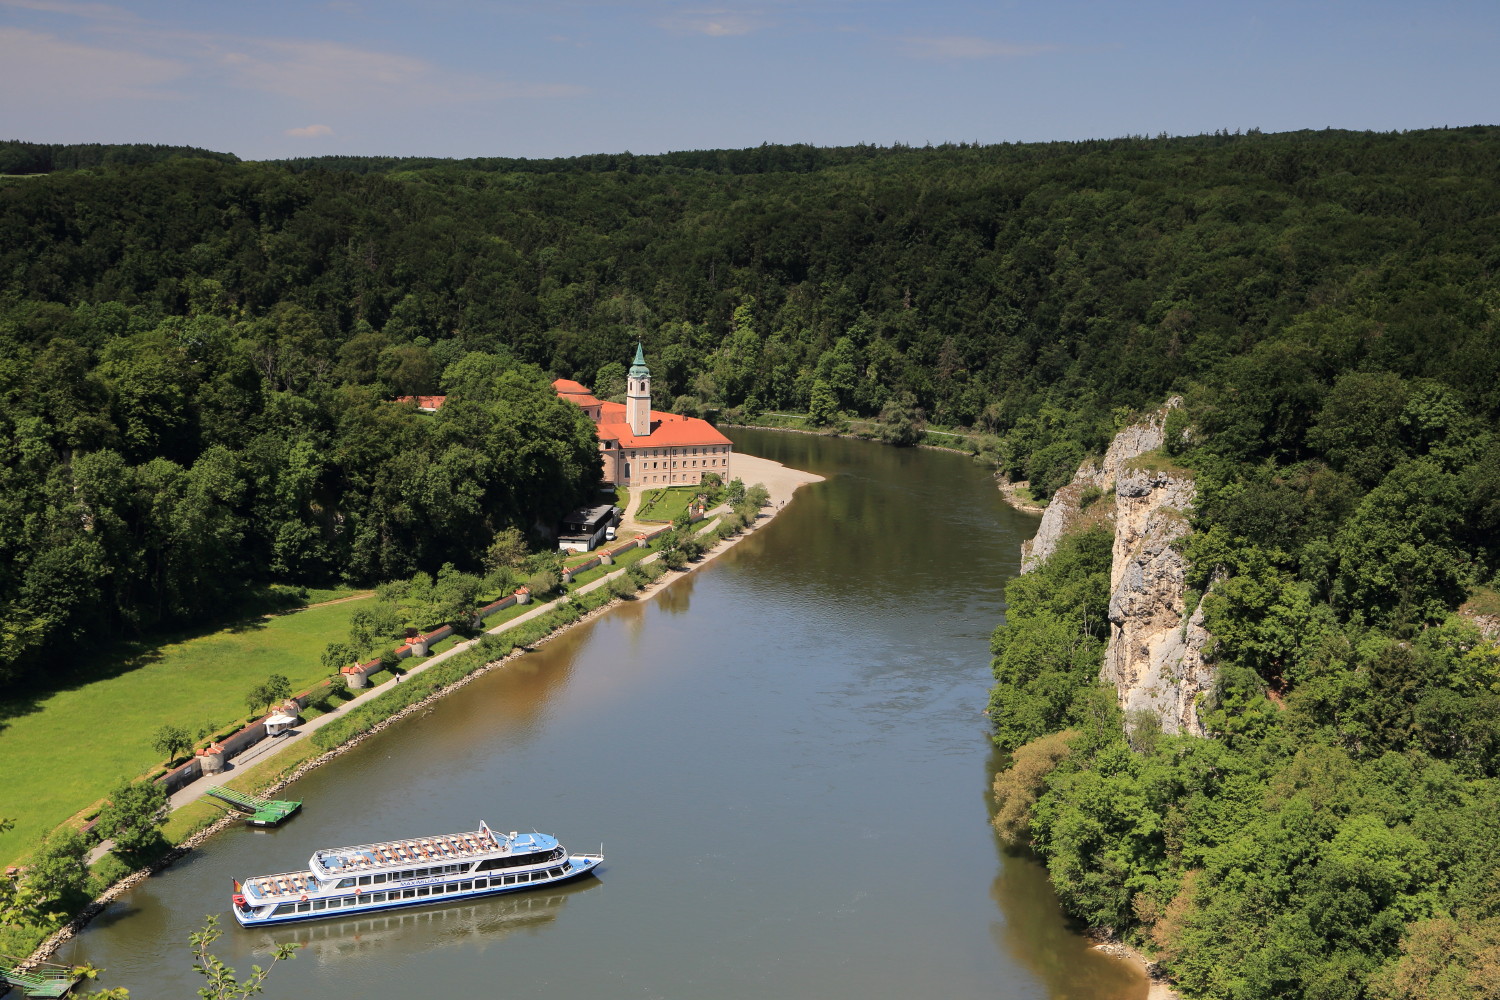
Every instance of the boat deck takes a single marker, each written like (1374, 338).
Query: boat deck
(444, 849)
(283, 886)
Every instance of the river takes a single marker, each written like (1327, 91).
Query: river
(783, 755)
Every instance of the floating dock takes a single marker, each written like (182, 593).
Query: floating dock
(261, 812)
(50, 981)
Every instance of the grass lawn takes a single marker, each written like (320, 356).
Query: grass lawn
(1482, 601)
(621, 561)
(666, 503)
(62, 751)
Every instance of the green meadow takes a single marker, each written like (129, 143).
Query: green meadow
(666, 503)
(61, 752)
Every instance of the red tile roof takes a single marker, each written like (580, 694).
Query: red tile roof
(568, 389)
(424, 402)
(668, 430)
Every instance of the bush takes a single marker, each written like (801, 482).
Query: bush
(134, 816)
(544, 582)
(1017, 787)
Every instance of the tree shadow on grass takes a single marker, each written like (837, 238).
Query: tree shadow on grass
(52, 672)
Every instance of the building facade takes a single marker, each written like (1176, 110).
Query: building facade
(645, 447)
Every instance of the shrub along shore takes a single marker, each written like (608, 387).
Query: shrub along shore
(194, 823)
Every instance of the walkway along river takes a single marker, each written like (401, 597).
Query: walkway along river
(782, 753)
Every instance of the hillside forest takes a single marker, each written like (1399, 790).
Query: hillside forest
(199, 357)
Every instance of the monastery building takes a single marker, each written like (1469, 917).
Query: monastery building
(645, 447)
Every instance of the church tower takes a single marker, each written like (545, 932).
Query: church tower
(638, 395)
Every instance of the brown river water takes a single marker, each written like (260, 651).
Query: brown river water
(784, 758)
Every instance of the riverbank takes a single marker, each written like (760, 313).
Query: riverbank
(781, 484)
(1018, 495)
(1159, 987)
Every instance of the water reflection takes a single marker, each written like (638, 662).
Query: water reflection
(403, 933)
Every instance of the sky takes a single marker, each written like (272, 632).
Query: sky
(276, 78)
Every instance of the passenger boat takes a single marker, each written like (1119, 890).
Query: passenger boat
(350, 880)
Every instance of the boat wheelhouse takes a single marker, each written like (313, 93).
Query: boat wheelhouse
(368, 877)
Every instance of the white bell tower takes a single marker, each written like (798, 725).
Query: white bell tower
(638, 395)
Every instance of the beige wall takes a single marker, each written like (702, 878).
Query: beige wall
(666, 466)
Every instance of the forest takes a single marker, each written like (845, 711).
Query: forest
(199, 358)
(1339, 834)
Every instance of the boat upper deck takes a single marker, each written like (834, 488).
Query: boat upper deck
(443, 849)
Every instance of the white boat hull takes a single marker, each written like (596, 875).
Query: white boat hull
(426, 892)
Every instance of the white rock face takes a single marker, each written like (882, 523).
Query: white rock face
(1064, 509)
(1154, 658)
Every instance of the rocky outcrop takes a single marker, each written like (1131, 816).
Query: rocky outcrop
(1066, 511)
(1155, 657)
(1483, 610)
(1155, 653)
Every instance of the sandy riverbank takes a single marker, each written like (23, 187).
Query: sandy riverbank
(1012, 493)
(780, 482)
(1158, 987)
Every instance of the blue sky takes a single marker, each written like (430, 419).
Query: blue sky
(271, 78)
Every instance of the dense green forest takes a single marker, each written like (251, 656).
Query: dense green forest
(1339, 836)
(198, 358)
(195, 309)
(18, 157)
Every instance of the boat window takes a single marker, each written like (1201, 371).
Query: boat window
(345, 884)
(465, 886)
(303, 907)
(365, 879)
(284, 909)
(423, 890)
(408, 893)
(379, 878)
(318, 904)
(510, 880)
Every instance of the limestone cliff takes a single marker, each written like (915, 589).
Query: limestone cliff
(1155, 657)
(1155, 653)
(1065, 513)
